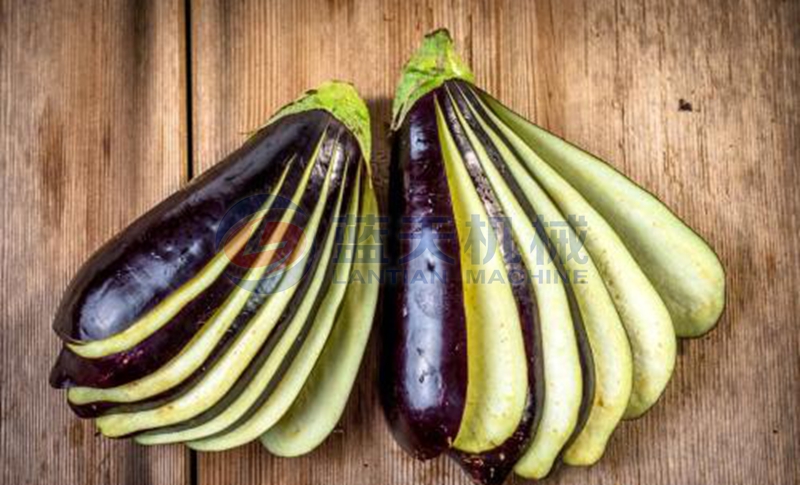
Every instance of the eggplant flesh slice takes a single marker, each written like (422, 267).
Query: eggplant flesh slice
(221, 375)
(248, 425)
(681, 266)
(320, 404)
(564, 371)
(264, 368)
(235, 332)
(610, 350)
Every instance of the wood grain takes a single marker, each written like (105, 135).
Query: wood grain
(609, 76)
(92, 134)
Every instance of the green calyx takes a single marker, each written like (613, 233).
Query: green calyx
(342, 101)
(429, 67)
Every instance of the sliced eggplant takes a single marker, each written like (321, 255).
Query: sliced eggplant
(308, 319)
(680, 265)
(516, 394)
(604, 316)
(645, 316)
(611, 354)
(221, 375)
(227, 326)
(320, 404)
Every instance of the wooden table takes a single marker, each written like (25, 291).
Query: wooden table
(108, 107)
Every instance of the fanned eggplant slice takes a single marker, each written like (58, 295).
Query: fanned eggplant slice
(266, 366)
(240, 314)
(643, 313)
(221, 375)
(611, 352)
(595, 306)
(681, 266)
(322, 400)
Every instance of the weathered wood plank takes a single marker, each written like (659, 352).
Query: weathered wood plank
(92, 134)
(608, 75)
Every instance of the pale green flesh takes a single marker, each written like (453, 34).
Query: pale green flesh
(320, 404)
(681, 266)
(644, 315)
(261, 380)
(563, 384)
(223, 374)
(202, 344)
(611, 352)
(497, 382)
(249, 430)
(159, 316)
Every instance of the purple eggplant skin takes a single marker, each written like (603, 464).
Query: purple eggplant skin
(493, 466)
(424, 369)
(142, 359)
(267, 285)
(160, 347)
(266, 349)
(168, 245)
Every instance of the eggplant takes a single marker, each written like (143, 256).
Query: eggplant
(442, 177)
(594, 307)
(424, 396)
(180, 338)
